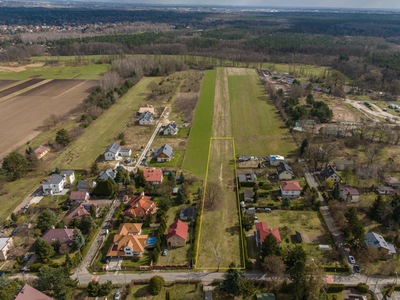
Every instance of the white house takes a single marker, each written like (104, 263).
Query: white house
(290, 189)
(330, 173)
(112, 152)
(275, 160)
(349, 193)
(124, 152)
(5, 247)
(385, 190)
(55, 184)
(104, 175)
(69, 177)
(170, 129)
(146, 118)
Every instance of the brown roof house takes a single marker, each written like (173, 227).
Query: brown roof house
(349, 193)
(5, 247)
(128, 242)
(63, 234)
(177, 234)
(140, 206)
(290, 189)
(392, 181)
(80, 210)
(30, 293)
(79, 197)
(385, 190)
(41, 151)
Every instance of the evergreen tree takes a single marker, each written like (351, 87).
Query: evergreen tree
(86, 224)
(269, 246)
(303, 146)
(67, 263)
(63, 138)
(78, 241)
(171, 177)
(94, 168)
(182, 178)
(15, 165)
(286, 201)
(377, 208)
(256, 197)
(336, 191)
(298, 276)
(92, 211)
(233, 280)
(181, 197)
(43, 249)
(55, 280)
(167, 295)
(45, 220)
(56, 245)
(140, 180)
(296, 253)
(104, 188)
(93, 288)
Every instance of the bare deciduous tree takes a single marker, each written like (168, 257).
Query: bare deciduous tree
(214, 195)
(110, 80)
(217, 255)
(275, 268)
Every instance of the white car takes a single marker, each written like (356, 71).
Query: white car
(352, 260)
(117, 295)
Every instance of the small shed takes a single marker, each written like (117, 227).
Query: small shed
(251, 211)
(323, 247)
(175, 191)
(248, 195)
(298, 237)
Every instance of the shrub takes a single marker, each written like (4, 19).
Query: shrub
(335, 296)
(156, 285)
(335, 288)
(362, 288)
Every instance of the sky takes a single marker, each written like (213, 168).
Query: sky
(386, 4)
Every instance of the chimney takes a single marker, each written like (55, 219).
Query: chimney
(136, 204)
(65, 227)
(142, 193)
(52, 227)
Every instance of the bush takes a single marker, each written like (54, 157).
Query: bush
(156, 285)
(362, 288)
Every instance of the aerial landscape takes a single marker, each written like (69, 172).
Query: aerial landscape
(191, 150)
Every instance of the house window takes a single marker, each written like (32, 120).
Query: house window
(53, 239)
(64, 239)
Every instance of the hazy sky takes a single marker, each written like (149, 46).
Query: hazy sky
(395, 4)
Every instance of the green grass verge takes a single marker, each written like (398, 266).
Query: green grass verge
(60, 72)
(256, 125)
(182, 133)
(92, 143)
(175, 162)
(199, 140)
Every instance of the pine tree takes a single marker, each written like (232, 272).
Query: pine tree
(140, 179)
(256, 197)
(67, 263)
(269, 246)
(78, 241)
(377, 208)
(171, 177)
(336, 191)
(233, 280)
(43, 249)
(182, 178)
(181, 197)
(303, 147)
(94, 168)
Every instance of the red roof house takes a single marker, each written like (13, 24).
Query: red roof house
(177, 234)
(63, 234)
(80, 210)
(262, 231)
(140, 206)
(153, 176)
(290, 189)
(41, 151)
(30, 293)
(79, 197)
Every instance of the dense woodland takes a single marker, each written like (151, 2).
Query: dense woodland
(362, 46)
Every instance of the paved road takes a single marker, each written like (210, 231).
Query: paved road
(143, 153)
(82, 269)
(325, 211)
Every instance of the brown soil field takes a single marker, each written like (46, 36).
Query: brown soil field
(21, 117)
(5, 83)
(343, 114)
(18, 87)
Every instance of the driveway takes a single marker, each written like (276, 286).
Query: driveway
(395, 296)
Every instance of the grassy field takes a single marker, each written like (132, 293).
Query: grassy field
(92, 143)
(176, 161)
(60, 72)
(199, 140)
(220, 227)
(256, 125)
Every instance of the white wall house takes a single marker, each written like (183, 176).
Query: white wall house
(112, 152)
(146, 119)
(170, 129)
(290, 189)
(55, 184)
(69, 177)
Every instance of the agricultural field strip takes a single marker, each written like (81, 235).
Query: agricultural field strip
(18, 87)
(21, 92)
(6, 84)
(237, 198)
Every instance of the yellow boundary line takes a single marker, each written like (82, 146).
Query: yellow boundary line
(237, 197)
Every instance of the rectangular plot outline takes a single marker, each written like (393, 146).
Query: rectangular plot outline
(237, 197)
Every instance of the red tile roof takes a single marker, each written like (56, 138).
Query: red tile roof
(30, 293)
(64, 235)
(392, 180)
(40, 150)
(80, 210)
(80, 196)
(290, 186)
(264, 231)
(140, 206)
(153, 175)
(348, 189)
(178, 228)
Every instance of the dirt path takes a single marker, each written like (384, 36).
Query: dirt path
(377, 112)
(222, 110)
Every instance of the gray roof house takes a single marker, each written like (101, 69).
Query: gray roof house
(164, 153)
(107, 173)
(247, 177)
(146, 118)
(170, 129)
(112, 152)
(188, 213)
(330, 173)
(385, 249)
(284, 171)
(248, 195)
(83, 184)
(55, 184)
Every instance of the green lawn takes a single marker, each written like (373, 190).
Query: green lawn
(200, 134)
(256, 125)
(92, 143)
(182, 133)
(60, 72)
(177, 292)
(175, 162)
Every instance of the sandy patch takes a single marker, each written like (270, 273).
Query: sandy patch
(19, 68)
(236, 71)
(343, 114)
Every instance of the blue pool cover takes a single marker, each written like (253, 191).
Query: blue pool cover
(152, 240)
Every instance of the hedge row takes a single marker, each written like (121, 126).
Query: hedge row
(196, 239)
(335, 288)
(247, 184)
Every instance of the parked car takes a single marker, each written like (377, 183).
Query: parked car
(27, 206)
(356, 269)
(117, 295)
(27, 257)
(268, 210)
(165, 252)
(104, 260)
(352, 260)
